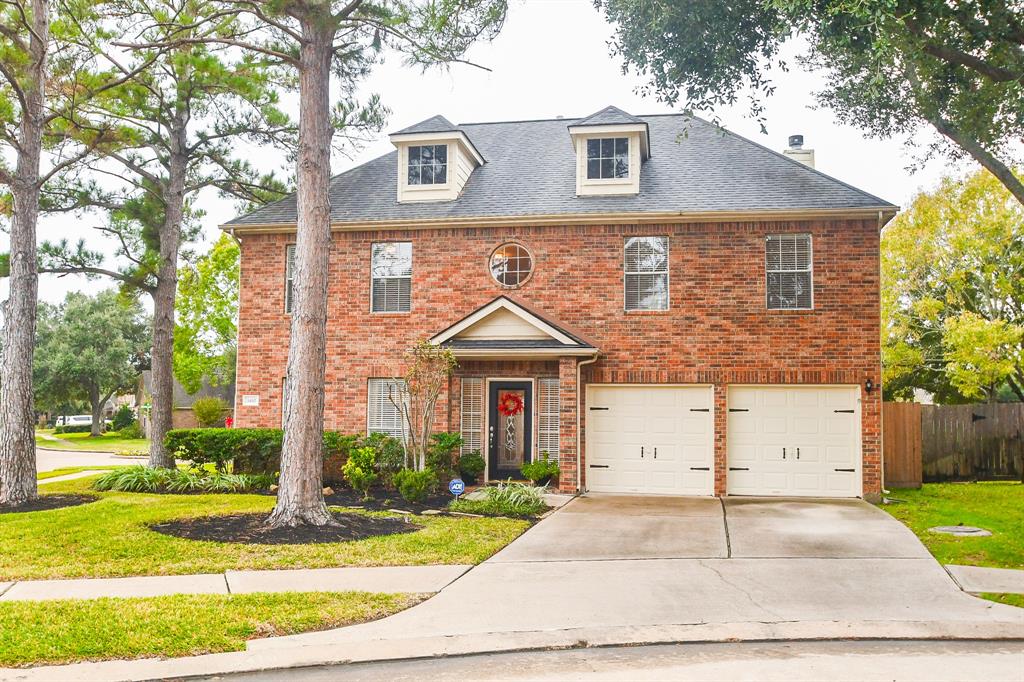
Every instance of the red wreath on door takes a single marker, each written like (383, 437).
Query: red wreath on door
(510, 404)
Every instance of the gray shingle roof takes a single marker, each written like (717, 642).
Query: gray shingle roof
(434, 124)
(531, 171)
(608, 116)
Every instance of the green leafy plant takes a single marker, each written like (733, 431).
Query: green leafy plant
(142, 479)
(123, 417)
(414, 486)
(209, 411)
(442, 453)
(471, 465)
(359, 470)
(541, 471)
(136, 479)
(505, 499)
(390, 455)
(132, 431)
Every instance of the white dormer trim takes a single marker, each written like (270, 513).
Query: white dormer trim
(463, 159)
(612, 130)
(503, 304)
(636, 134)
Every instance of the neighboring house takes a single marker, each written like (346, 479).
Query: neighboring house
(678, 309)
(182, 416)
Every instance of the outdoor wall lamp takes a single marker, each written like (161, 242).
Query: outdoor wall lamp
(869, 386)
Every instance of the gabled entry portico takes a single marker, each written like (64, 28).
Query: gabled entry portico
(514, 394)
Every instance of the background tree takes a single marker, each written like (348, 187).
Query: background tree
(313, 38)
(97, 343)
(205, 336)
(891, 65)
(181, 115)
(953, 293)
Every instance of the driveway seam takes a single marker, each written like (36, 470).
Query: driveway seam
(8, 588)
(725, 522)
(227, 583)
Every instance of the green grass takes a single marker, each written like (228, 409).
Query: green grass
(85, 442)
(180, 625)
(1011, 599)
(42, 476)
(995, 506)
(110, 538)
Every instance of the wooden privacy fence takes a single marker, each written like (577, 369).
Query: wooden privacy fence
(952, 442)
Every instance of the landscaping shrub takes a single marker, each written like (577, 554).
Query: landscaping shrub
(442, 453)
(505, 499)
(541, 471)
(123, 418)
(359, 470)
(390, 455)
(414, 486)
(471, 465)
(142, 479)
(251, 450)
(132, 431)
(73, 428)
(209, 411)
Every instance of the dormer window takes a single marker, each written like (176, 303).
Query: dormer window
(428, 164)
(608, 158)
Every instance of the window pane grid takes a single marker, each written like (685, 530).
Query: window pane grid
(428, 164)
(472, 424)
(391, 285)
(788, 271)
(608, 158)
(548, 418)
(382, 415)
(646, 273)
(511, 265)
(289, 276)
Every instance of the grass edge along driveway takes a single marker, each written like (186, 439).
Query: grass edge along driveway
(111, 538)
(83, 442)
(71, 630)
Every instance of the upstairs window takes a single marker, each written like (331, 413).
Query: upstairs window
(608, 158)
(391, 268)
(289, 276)
(428, 164)
(646, 267)
(511, 265)
(788, 272)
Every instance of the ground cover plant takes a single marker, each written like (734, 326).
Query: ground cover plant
(511, 499)
(142, 479)
(64, 631)
(112, 537)
(997, 506)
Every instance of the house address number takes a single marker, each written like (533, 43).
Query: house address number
(250, 400)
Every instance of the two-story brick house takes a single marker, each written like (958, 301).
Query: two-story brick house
(663, 306)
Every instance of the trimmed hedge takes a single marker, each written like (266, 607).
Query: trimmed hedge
(73, 428)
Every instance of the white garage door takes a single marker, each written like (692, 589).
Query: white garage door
(650, 439)
(798, 441)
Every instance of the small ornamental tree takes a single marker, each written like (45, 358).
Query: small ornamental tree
(429, 368)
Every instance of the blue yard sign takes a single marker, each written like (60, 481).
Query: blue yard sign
(456, 487)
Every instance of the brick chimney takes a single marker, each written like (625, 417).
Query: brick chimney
(797, 152)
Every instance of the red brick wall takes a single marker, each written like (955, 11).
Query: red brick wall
(717, 329)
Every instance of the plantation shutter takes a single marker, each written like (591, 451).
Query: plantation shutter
(548, 403)
(788, 271)
(382, 415)
(289, 276)
(646, 278)
(391, 286)
(472, 421)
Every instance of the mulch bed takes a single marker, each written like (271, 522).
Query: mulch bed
(384, 500)
(46, 502)
(249, 529)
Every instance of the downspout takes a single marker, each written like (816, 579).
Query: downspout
(234, 406)
(579, 412)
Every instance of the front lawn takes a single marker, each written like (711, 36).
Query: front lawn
(110, 537)
(83, 441)
(63, 471)
(1011, 599)
(64, 631)
(995, 506)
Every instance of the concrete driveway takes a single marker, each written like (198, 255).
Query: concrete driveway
(605, 564)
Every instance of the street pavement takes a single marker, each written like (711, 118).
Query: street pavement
(48, 460)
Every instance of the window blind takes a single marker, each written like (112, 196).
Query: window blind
(289, 276)
(646, 268)
(789, 271)
(382, 415)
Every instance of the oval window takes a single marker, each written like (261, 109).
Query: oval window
(511, 265)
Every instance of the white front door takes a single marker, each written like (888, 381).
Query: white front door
(801, 441)
(650, 439)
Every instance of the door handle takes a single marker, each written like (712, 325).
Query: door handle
(655, 453)
(798, 453)
(783, 453)
(641, 452)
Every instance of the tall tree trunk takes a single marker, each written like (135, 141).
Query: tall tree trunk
(162, 361)
(17, 416)
(300, 498)
(96, 405)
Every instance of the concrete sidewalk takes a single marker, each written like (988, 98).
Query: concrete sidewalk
(71, 477)
(412, 579)
(975, 579)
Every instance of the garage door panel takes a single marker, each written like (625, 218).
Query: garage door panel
(792, 417)
(651, 417)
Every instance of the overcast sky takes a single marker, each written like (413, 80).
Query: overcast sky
(552, 59)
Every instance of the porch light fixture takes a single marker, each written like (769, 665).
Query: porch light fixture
(869, 386)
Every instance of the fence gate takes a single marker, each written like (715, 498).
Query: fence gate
(901, 443)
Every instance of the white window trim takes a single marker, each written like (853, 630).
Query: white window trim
(447, 184)
(810, 269)
(668, 275)
(289, 278)
(545, 384)
(629, 160)
(412, 265)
